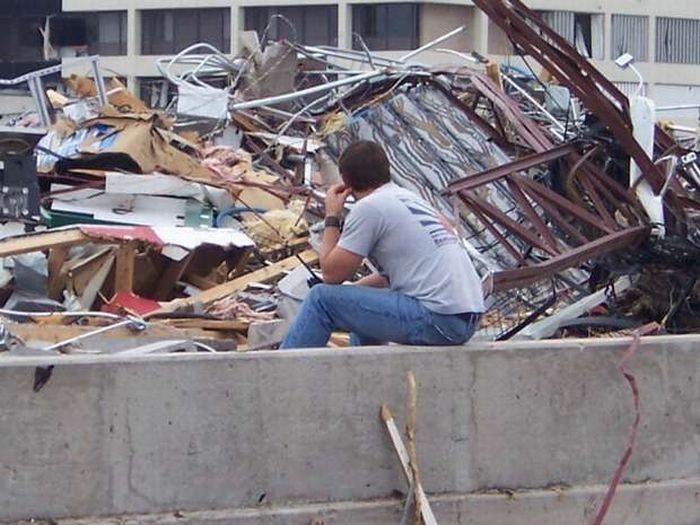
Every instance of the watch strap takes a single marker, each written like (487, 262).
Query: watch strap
(331, 221)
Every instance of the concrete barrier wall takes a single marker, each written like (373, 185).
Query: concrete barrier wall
(109, 436)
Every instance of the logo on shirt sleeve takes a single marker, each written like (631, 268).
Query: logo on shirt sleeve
(435, 223)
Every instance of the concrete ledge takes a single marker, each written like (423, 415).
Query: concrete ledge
(670, 503)
(109, 436)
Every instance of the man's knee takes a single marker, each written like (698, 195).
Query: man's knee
(319, 292)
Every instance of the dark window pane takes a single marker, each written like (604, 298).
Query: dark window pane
(211, 29)
(312, 25)
(31, 43)
(169, 32)
(386, 26)
(319, 26)
(402, 26)
(185, 29)
(111, 34)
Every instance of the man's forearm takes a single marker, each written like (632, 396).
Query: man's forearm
(373, 280)
(330, 239)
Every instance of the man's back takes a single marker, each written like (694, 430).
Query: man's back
(415, 248)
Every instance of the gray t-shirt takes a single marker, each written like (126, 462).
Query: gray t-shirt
(415, 248)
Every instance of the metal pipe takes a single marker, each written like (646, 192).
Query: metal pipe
(44, 72)
(673, 163)
(136, 323)
(678, 108)
(335, 72)
(278, 99)
(469, 58)
(432, 43)
(99, 83)
(640, 88)
(20, 313)
(37, 90)
(348, 54)
(539, 106)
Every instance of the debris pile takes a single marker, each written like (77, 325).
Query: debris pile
(194, 228)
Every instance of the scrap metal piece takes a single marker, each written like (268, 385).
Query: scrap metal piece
(528, 31)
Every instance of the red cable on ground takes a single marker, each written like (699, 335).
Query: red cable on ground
(624, 460)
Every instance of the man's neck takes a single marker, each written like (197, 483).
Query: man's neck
(362, 194)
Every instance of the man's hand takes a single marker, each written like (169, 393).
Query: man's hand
(335, 199)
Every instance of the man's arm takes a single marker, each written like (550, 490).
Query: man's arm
(337, 264)
(374, 280)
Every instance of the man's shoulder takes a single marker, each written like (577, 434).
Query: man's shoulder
(387, 194)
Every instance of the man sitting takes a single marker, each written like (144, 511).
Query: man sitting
(426, 292)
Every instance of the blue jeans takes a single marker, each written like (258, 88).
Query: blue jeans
(373, 316)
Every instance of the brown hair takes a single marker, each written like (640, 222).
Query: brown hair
(364, 166)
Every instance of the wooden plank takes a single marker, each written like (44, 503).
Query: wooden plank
(171, 275)
(124, 274)
(57, 275)
(226, 325)
(41, 241)
(266, 274)
(402, 453)
(55, 333)
(81, 271)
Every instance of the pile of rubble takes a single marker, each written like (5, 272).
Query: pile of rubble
(194, 228)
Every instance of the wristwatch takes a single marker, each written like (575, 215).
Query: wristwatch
(332, 221)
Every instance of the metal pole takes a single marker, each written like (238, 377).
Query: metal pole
(432, 43)
(539, 106)
(351, 55)
(678, 108)
(308, 91)
(37, 90)
(99, 82)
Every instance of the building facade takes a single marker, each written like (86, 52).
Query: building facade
(663, 36)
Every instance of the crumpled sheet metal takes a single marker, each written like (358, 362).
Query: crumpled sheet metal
(431, 142)
(423, 135)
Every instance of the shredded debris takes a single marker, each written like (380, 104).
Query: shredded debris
(188, 219)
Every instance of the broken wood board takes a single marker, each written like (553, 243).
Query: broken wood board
(124, 275)
(55, 333)
(225, 325)
(263, 275)
(57, 276)
(41, 241)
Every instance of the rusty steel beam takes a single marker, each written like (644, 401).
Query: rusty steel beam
(489, 225)
(572, 209)
(517, 228)
(526, 128)
(485, 177)
(561, 59)
(521, 277)
(562, 222)
(527, 207)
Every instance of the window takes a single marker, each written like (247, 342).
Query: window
(584, 31)
(386, 26)
(630, 34)
(20, 35)
(168, 32)
(101, 33)
(313, 25)
(31, 42)
(107, 33)
(678, 41)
